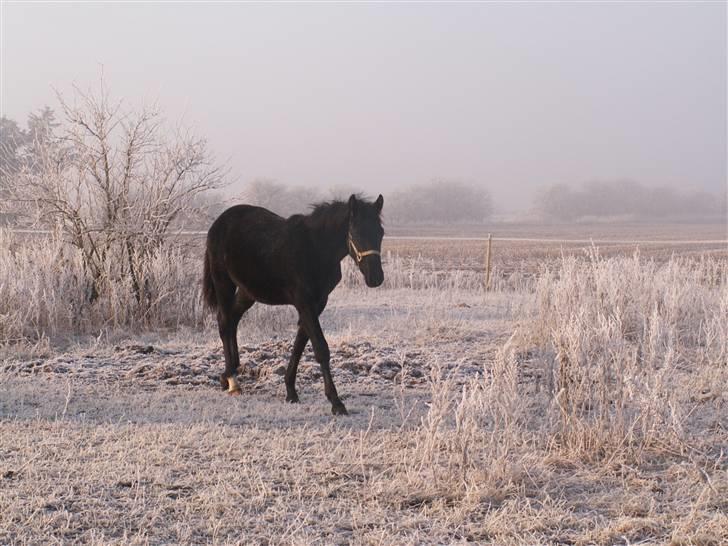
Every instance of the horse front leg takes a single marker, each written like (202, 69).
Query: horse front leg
(310, 323)
(298, 346)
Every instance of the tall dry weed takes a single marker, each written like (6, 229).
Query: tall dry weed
(474, 436)
(46, 291)
(619, 340)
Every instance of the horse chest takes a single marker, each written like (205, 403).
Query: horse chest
(331, 280)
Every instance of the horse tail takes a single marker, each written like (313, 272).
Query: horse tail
(208, 288)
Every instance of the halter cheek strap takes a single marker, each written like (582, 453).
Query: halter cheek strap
(359, 256)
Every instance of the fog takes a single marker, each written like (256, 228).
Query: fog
(510, 98)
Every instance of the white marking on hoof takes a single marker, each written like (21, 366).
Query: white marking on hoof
(233, 386)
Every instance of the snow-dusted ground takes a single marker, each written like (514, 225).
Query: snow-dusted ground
(92, 434)
(381, 342)
(128, 439)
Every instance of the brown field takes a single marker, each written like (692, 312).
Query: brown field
(644, 231)
(582, 400)
(528, 248)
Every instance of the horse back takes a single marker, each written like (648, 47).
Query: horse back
(265, 255)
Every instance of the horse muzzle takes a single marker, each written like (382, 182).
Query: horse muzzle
(372, 271)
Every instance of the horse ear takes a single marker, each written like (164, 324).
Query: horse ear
(352, 205)
(379, 203)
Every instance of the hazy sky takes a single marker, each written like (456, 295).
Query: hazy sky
(509, 95)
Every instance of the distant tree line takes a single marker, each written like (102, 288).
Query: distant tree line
(453, 202)
(280, 198)
(440, 202)
(49, 155)
(625, 200)
(437, 202)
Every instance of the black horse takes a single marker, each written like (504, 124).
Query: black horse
(254, 255)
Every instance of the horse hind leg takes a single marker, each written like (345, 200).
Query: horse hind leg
(228, 316)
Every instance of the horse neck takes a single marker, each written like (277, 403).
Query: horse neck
(330, 234)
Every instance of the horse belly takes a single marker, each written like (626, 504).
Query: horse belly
(266, 291)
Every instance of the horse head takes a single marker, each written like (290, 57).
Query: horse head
(365, 238)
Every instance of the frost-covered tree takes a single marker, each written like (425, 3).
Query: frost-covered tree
(12, 139)
(623, 199)
(440, 201)
(279, 198)
(114, 180)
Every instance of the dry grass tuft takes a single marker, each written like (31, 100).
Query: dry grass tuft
(625, 348)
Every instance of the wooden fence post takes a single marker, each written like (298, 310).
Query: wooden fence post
(487, 263)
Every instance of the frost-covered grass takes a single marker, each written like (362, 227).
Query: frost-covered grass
(628, 349)
(587, 406)
(46, 292)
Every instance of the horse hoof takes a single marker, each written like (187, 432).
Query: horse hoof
(233, 387)
(292, 399)
(339, 409)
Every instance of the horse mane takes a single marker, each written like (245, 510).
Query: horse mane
(336, 207)
(326, 215)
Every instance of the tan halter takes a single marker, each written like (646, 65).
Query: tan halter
(358, 256)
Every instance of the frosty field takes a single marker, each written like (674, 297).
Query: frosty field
(526, 343)
(581, 400)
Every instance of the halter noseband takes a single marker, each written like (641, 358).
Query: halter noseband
(358, 256)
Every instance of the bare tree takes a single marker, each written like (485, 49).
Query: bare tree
(19, 150)
(279, 198)
(114, 181)
(264, 192)
(440, 202)
(624, 199)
